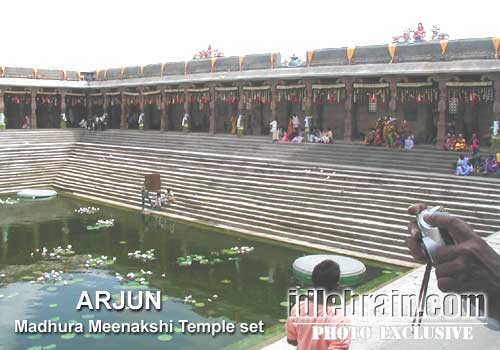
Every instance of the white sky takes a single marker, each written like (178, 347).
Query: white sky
(89, 35)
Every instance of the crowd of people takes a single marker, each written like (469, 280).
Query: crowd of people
(158, 200)
(387, 133)
(293, 132)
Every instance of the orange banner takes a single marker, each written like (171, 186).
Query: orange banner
(310, 55)
(496, 45)
(444, 45)
(161, 68)
(392, 51)
(350, 54)
(65, 76)
(214, 60)
(273, 58)
(121, 73)
(242, 59)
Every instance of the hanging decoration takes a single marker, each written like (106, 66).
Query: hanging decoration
(229, 95)
(48, 99)
(74, 100)
(258, 94)
(96, 99)
(290, 93)
(201, 96)
(174, 96)
(18, 98)
(114, 98)
(471, 92)
(131, 98)
(152, 97)
(373, 93)
(334, 93)
(417, 93)
(444, 46)
(310, 55)
(392, 51)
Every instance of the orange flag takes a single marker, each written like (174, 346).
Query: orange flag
(496, 45)
(392, 51)
(444, 45)
(310, 55)
(350, 53)
(212, 66)
(242, 58)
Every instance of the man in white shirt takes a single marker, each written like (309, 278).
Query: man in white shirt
(274, 130)
(295, 123)
(185, 122)
(240, 124)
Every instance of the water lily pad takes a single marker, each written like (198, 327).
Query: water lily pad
(27, 278)
(98, 336)
(282, 320)
(55, 319)
(51, 289)
(164, 298)
(284, 303)
(225, 281)
(12, 295)
(36, 347)
(50, 347)
(68, 336)
(264, 278)
(199, 304)
(35, 337)
(86, 335)
(164, 337)
(52, 306)
(72, 321)
(386, 271)
(123, 242)
(177, 329)
(87, 316)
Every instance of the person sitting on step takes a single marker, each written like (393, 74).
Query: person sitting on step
(159, 200)
(464, 167)
(475, 160)
(474, 143)
(170, 196)
(409, 142)
(460, 144)
(145, 196)
(491, 165)
(299, 138)
(370, 137)
(26, 122)
(285, 137)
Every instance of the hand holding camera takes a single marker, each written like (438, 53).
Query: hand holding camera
(464, 262)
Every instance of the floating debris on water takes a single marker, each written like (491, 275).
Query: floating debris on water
(148, 255)
(101, 224)
(87, 210)
(9, 201)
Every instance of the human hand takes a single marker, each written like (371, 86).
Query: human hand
(470, 265)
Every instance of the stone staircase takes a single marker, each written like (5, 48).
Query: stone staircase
(313, 195)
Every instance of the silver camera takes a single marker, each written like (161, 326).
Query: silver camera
(432, 237)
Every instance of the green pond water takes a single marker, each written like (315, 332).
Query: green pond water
(236, 288)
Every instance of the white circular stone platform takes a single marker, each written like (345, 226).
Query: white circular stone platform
(352, 271)
(36, 194)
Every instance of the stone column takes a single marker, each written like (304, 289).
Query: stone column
(274, 99)
(62, 95)
(349, 117)
(393, 102)
(308, 100)
(496, 104)
(187, 103)
(2, 105)
(163, 114)
(123, 116)
(33, 121)
(105, 104)
(211, 119)
(141, 108)
(442, 106)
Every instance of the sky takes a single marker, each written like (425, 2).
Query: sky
(89, 35)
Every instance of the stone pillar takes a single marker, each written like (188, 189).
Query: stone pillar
(187, 103)
(62, 95)
(141, 108)
(393, 102)
(349, 117)
(496, 104)
(33, 121)
(308, 100)
(211, 119)
(105, 104)
(2, 105)
(163, 114)
(274, 99)
(442, 106)
(123, 116)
